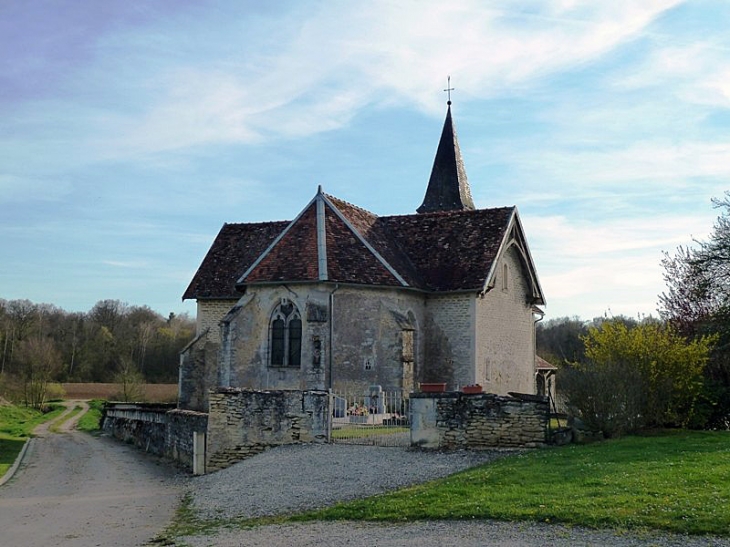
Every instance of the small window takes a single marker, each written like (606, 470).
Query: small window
(285, 336)
(505, 277)
(368, 363)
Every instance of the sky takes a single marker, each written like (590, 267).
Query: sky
(131, 131)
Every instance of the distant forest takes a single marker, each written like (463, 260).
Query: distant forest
(112, 338)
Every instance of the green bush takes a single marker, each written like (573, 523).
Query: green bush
(637, 377)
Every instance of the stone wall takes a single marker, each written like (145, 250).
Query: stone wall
(368, 329)
(197, 373)
(244, 422)
(505, 346)
(158, 429)
(209, 315)
(181, 424)
(369, 344)
(454, 420)
(449, 334)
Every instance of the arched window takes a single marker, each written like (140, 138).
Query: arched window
(285, 336)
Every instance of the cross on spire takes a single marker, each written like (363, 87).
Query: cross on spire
(448, 89)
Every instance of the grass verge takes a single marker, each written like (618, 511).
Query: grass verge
(674, 481)
(186, 523)
(364, 432)
(91, 421)
(16, 425)
(56, 426)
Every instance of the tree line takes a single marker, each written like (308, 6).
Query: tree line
(622, 374)
(112, 342)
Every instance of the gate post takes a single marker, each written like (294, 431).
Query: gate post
(198, 453)
(331, 412)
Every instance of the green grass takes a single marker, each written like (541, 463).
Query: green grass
(56, 425)
(353, 432)
(16, 424)
(90, 421)
(675, 481)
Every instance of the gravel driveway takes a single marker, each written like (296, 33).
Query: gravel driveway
(76, 490)
(297, 477)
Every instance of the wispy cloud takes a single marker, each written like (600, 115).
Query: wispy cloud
(143, 127)
(330, 63)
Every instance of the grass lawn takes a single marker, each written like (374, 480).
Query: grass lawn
(353, 432)
(16, 424)
(90, 421)
(674, 481)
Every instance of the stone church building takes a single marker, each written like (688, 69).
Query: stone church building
(345, 299)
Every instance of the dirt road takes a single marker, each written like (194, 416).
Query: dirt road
(73, 489)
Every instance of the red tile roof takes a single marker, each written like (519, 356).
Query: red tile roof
(444, 251)
(234, 249)
(294, 257)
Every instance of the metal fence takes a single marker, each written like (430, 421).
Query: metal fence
(377, 418)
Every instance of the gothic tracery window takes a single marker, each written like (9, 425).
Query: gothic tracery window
(285, 336)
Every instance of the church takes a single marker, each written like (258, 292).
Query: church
(341, 298)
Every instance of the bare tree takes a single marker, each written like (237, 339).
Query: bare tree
(39, 362)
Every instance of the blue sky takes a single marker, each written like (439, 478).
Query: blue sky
(131, 131)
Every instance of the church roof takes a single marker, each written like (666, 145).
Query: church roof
(335, 241)
(448, 246)
(235, 247)
(448, 187)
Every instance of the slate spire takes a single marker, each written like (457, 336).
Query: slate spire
(448, 187)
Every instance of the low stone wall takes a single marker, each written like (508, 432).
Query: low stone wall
(455, 420)
(245, 422)
(181, 425)
(160, 429)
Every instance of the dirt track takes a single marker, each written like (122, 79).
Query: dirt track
(77, 490)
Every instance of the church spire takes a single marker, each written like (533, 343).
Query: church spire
(448, 188)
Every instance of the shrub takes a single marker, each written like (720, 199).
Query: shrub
(636, 377)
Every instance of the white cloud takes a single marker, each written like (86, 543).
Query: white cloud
(342, 58)
(587, 267)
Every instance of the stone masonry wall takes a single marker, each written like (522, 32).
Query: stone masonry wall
(367, 346)
(209, 314)
(181, 424)
(158, 429)
(455, 420)
(197, 373)
(244, 422)
(449, 345)
(505, 343)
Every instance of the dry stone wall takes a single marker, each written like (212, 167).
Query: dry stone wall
(245, 422)
(158, 429)
(455, 420)
(181, 425)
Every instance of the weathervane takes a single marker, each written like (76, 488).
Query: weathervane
(448, 89)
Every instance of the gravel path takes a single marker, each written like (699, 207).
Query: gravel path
(75, 490)
(293, 478)
(298, 477)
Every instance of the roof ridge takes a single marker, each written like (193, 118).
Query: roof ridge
(262, 223)
(364, 240)
(452, 212)
(357, 207)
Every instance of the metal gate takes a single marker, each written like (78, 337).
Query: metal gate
(377, 418)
